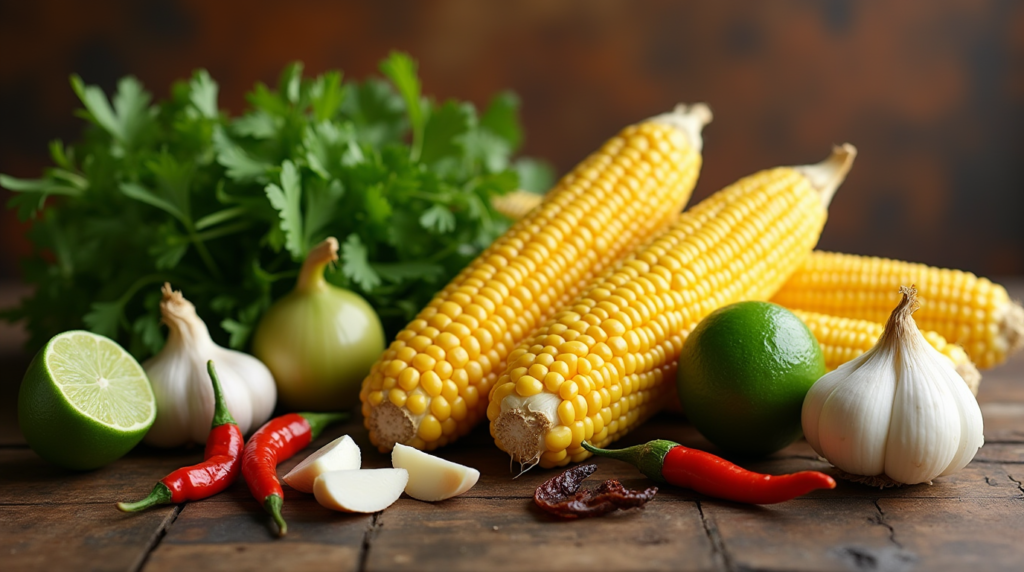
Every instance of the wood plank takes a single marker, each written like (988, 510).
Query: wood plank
(512, 534)
(1000, 453)
(238, 536)
(77, 537)
(958, 534)
(1004, 421)
(804, 534)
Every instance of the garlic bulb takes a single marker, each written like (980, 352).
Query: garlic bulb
(899, 413)
(184, 396)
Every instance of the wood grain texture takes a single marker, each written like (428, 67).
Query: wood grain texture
(238, 536)
(512, 534)
(77, 537)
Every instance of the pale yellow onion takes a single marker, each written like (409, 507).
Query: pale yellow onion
(319, 340)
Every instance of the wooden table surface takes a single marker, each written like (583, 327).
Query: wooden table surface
(58, 520)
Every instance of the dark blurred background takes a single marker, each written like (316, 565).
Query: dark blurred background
(931, 92)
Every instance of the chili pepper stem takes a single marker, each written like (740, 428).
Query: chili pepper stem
(648, 457)
(221, 415)
(319, 421)
(272, 504)
(160, 494)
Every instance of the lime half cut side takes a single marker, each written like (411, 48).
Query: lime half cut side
(84, 401)
(101, 380)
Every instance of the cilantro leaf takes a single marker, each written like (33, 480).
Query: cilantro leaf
(142, 194)
(401, 70)
(104, 318)
(130, 114)
(240, 165)
(147, 330)
(203, 94)
(534, 176)
(290, 83)
(326, 95)
(257, 125)
(438, 219)
(355, 265)
(502, 119)
(443, 136)
(287, 199)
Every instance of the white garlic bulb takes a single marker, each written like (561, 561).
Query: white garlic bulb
(184, 396)
(899, 412)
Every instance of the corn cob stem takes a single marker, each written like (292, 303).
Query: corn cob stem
(431, 384)
(965, 309)
(604, 363)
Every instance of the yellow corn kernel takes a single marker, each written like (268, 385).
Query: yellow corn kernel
(615, 200)
(741, 243)
(964, 309)
(516, 204)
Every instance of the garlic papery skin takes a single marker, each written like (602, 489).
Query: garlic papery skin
(184, 396)
(899, 412)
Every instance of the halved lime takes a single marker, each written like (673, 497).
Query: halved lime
(84, 401)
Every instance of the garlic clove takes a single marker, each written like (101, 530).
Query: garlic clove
(810, 413)
(169, 380)
(925, 426)
(257, 385)
(432, 478)
(972, 435)
(342, 454)
(852, 428)
(363, 490)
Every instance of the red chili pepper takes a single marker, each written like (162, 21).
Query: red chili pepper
(669, 462)
(277, 440)
(220, 464)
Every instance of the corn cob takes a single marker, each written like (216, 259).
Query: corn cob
(431, 385)
(964, 309)
(843, 339)
(516, 204)
(605, 363)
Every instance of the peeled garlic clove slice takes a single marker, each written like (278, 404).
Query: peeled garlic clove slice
(432, 478)
(342, 454)
(366, 490)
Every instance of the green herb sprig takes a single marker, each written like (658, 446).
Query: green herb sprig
(226, 208)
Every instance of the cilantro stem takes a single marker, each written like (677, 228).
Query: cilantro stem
(204, 254)
(223, 231)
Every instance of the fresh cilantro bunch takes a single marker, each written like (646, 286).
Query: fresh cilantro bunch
(226, 209)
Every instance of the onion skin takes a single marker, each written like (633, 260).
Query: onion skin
(319, 341)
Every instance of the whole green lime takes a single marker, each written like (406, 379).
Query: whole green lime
(84, 401)
(743, 375)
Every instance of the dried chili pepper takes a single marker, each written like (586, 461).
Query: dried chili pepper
(219, 468)
(561, 495)
(277, 440)
(669, 462)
